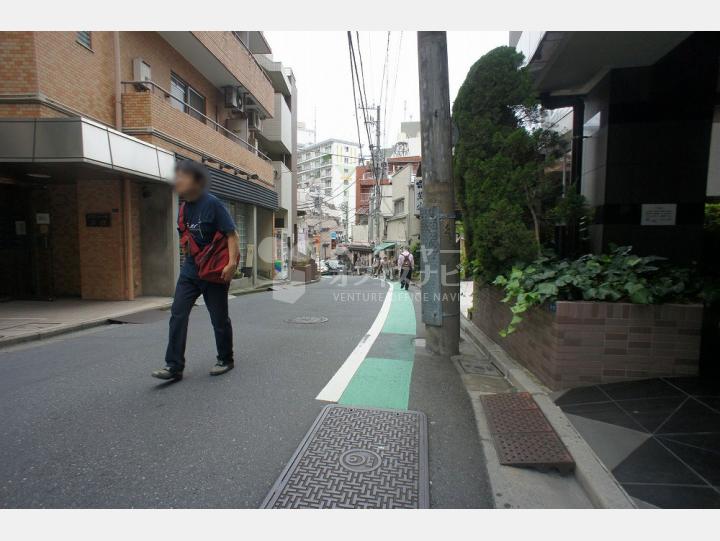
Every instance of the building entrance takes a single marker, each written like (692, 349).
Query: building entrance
(25, 247)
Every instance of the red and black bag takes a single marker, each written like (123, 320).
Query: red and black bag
(210, 260)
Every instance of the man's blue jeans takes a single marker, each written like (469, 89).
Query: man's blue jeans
(216, 300)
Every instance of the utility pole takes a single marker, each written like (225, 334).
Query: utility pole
(441, 254)
(346, 211)
(376, 194)
(378, 174)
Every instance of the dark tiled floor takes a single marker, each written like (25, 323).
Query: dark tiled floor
(676, 462)
(607, 412)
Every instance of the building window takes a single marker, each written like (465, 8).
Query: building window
(399, 206)
(196, 101)
(241, 214)
(178, 89)
(84, 39)
(182, 95)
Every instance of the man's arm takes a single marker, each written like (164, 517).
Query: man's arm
(233, 249)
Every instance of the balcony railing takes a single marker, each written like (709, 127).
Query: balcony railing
(154, 88)
(252, 56)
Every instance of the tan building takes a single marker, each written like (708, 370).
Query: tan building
(403, 216)
(91, 124)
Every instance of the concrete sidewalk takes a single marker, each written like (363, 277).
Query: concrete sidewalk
(22, 321)
(590, 485)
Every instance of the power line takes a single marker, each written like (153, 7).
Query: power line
(362, 92)
(352, 75)
(397, 69)
(361, 82)
(385, 66)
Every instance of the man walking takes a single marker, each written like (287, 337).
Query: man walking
(203, 215)
(406, 263)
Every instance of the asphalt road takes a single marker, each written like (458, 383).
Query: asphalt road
(84, 425)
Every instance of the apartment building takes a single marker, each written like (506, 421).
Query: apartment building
(278, 140)
(403, 225)
(643, 115)
(364, 194)
(91, 124)
(326, 174)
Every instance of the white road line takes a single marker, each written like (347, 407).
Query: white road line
(337, 384)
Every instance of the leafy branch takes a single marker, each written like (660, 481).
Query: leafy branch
(620, 276)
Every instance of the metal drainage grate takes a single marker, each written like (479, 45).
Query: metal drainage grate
(307, 320)
(522, 435)
(473, 365)
(504, 421)
(357, 458)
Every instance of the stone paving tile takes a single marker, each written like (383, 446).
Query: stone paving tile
(678, 465)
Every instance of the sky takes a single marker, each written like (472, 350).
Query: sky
(321, 64)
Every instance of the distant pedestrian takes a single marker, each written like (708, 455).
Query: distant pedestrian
(406, 262)
(386, 268)
(377, 265)
(212, 255)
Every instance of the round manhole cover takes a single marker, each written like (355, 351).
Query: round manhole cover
(307, 320)
(360, 460)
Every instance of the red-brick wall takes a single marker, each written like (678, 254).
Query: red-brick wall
(28, 110)
(583, 343)
(18, 73)
(163, 61)
(147, 110)
(77, 77)
(226, 47)
(83, 80)
(102, 256)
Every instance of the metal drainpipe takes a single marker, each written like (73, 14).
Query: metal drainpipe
(118, 81)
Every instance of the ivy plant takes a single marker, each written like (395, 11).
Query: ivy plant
(619, 276)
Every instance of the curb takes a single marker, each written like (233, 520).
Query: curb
(246, 291)
(599, 484)
(79, 326)
(97, 322)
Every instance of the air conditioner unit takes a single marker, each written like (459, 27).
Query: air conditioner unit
(234, 98)
(254, 121)
(141, 72)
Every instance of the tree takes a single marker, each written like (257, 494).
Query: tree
(500, 163)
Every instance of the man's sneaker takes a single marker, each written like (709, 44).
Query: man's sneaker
(221, 367)
(167, 374)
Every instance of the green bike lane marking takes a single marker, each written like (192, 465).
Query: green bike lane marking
(401, 319)
(383, 378)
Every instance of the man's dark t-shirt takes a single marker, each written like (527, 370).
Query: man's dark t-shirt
(203, 217)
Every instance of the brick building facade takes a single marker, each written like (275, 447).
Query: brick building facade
(90, 126)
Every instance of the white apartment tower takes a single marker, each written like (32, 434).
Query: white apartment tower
(326, 180)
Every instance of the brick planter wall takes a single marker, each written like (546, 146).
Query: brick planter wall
(583, 343)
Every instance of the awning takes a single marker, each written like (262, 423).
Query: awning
(235, 188)
(383, 246)
(76, 146)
